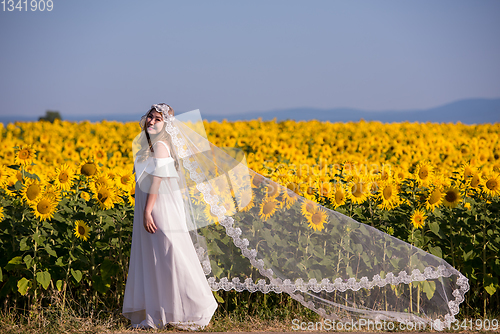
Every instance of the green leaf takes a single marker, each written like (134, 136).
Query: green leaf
(50, 251)
(491, 289)
(468, 255)
(434, 226)
(429, 289)
(43, 277)
(77, 275)
(1, 275)
(28, 260)
(436, 251)
(59, 284)
(23, 246)
(16, 260)
(22, 286)
(219, 298)
(59, 262)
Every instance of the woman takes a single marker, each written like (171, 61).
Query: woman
(166, 283)
(265, 237)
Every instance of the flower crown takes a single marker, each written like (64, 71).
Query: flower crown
(162, 108)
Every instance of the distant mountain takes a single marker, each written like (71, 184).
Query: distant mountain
(469, 111)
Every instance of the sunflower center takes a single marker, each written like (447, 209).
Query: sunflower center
(451, 196)
(423, 173)
(309, 207)
(492, 184)
(293, 187)
(63, 177)
(103, 196)
(88, 169)
(357, 190)
(435, 196)
(33, 192)
(467, 172)
(310, 190)
(475, 181)
(81, 230)
(43, 207)
(339, 196)
(316, 218)
(268, 207)
(257, 180)
(387, 193)
(23, 154)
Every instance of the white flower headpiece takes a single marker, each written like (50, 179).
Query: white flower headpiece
(162, 108)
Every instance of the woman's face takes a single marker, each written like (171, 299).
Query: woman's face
(154, 122)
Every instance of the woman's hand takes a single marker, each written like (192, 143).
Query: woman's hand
(149, 224)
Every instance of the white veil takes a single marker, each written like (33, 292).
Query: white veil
(259, 239)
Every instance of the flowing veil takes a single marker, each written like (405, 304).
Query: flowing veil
(254, 234)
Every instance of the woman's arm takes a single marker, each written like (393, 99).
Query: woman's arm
(149, 224)
(160, 151)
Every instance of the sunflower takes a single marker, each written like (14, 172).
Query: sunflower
(418, 219)
(308, 207)
(358, 190)
(467, 171)
(131, 195)
(244, 199)
(272, 190)
(103, 178)
(317, 219)
(290, 194)
(400, 175)
(324, 188)
(85, 195)
(4, 174)
(492, 186)
(257, 180)
(53, 193)
(105, 196)
(424, 173)
(388, 195)
(228, 204)
(125, 179)
(475, 180)
(44, 208)
(82, 230)
(99, 155)
(434, 199)
(338, 196)
(1, 213)
(31, 191)
(88, 168)
(25, 155)
(451, 197)
(64, 177)
(310, 193)
(268, 207)
(210, 216)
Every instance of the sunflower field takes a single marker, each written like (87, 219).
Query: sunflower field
(67, 197)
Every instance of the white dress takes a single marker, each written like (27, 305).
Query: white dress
(166, 283)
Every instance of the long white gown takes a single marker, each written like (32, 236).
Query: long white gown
(166, 283)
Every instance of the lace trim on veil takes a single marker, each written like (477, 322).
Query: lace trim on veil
(276, 284)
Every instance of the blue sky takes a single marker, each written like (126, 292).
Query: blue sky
(228, 57)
